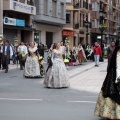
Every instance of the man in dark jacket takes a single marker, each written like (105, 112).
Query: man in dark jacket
(7, 53)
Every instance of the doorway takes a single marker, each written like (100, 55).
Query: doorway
(49, 39)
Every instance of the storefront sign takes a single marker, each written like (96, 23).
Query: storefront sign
(14, 22)
(10, 21)
(68, 33)
(21, 7)
(20, 23)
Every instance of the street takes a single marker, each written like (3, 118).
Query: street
(27, 99)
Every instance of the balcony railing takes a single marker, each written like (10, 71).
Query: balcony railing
(76, 5)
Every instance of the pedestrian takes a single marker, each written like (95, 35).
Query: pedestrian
(57, 75)
(7, 54)
(97, 53)
(110, 52)
(81, 54)
(108, 104)
(33, 66)
(22, 53)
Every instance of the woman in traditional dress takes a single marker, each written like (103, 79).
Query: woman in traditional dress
(57, 75)
(108, 104)
(33, 65)
(81, 54)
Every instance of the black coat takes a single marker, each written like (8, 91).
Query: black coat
(110, 88)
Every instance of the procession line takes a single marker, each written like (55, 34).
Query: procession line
(17, 99)
(92, 102)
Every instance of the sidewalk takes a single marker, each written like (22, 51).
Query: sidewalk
(88, 77)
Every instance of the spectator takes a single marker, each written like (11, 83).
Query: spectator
(97, 53)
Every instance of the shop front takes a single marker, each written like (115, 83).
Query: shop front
(68, 37)
(16, 29)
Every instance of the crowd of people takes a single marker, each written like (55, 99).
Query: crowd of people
(71, 57)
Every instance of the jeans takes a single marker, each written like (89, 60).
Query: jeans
(14, 59)
(97, 57)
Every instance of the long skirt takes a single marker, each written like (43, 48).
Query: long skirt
(57, 75)
(32, 67)
(81, 57)
(107, 108)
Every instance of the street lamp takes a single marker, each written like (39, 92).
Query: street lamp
(87, 26)
(102, 27)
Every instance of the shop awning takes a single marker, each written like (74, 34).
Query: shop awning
(19, 28)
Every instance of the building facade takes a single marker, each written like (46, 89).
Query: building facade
(75, 30)
(16, 20)
(118, 18)
(111, 20)
(49, 20)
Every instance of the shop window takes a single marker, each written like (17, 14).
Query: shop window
(68, 17)
(37, 37)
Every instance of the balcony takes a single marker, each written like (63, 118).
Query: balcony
(12, 5)
(50, 15)
(95, 30)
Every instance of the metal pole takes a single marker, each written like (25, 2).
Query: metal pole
(101, 42)
(87, 36)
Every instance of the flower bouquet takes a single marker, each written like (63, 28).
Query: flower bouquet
(40, 59)
(66, 61)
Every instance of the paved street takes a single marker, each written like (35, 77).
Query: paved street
(27, 99)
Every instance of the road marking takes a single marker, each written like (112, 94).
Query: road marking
(82, 102)
(17, 99)
(90, 96)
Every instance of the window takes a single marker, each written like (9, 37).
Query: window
(22, 1)
(62, 10)
(93, 23)
(54, 3)
(30, 2)
(45, 7)
(68, 17)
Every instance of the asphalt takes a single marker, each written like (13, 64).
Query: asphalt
(27, 99)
